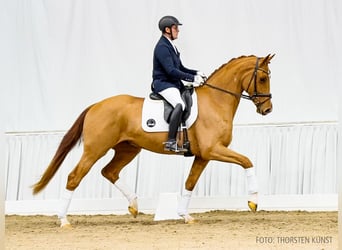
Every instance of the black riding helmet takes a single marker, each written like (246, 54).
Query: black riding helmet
(168, 21)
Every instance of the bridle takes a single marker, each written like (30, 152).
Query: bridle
(255, 92)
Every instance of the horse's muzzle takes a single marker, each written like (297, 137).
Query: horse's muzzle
(266, 111)
(264, 108)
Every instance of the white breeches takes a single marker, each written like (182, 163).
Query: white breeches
(172, 95)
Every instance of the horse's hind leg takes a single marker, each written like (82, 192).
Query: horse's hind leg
(76, 175)
(124, 154)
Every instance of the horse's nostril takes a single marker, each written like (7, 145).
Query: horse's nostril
(267, 111)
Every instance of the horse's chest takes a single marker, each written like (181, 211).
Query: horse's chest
(225, 135)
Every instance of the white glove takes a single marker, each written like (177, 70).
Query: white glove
(198, 80)
(200, 73)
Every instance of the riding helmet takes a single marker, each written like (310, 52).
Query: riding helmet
(168, 21)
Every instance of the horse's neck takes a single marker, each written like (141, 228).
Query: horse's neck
(227, 82)
(226, 101)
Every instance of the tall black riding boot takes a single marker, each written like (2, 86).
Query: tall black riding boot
(175, 120)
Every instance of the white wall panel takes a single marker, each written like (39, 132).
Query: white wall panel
(290, 159)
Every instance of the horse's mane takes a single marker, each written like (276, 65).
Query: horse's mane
(231, 60)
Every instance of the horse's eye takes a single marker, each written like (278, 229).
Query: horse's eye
(263, 79)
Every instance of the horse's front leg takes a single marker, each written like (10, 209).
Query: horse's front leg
(195, 172)
(222, 153)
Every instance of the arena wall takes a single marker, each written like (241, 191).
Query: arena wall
(296, 166)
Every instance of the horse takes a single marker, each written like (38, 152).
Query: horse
(115, 123)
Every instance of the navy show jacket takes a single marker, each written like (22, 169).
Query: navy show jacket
(168, 70)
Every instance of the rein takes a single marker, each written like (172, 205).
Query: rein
(247, 97)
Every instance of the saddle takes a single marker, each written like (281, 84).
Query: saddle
(186, 96)
(168, 108)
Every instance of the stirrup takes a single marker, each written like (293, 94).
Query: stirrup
(173, 147)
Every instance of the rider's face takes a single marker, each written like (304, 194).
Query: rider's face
(172, 32)
(175, 31)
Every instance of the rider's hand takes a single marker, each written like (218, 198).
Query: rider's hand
(198, 80)
(200, 73)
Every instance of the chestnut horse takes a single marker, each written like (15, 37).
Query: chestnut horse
(115, 123)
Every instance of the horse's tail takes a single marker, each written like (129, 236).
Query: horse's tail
(68, 142)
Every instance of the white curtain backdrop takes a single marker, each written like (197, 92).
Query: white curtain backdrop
(58, 57)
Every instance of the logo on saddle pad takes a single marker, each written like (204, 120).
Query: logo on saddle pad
(153, 115)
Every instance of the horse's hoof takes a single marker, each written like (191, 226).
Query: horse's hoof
(133, 211)
(188, 219)
(192, 221)
(133, 208)
(67, 226)
(252, 206)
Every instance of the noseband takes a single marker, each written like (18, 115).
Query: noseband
(255, 92)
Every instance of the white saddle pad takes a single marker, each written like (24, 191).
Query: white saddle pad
(153, 115)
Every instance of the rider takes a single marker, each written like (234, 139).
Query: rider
(168, 73)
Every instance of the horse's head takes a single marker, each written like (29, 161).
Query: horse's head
(249, 74)
(258, 85)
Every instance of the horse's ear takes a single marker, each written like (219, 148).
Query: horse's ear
(267, 59)
(270, 57)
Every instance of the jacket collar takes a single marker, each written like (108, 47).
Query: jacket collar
(169, 41)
